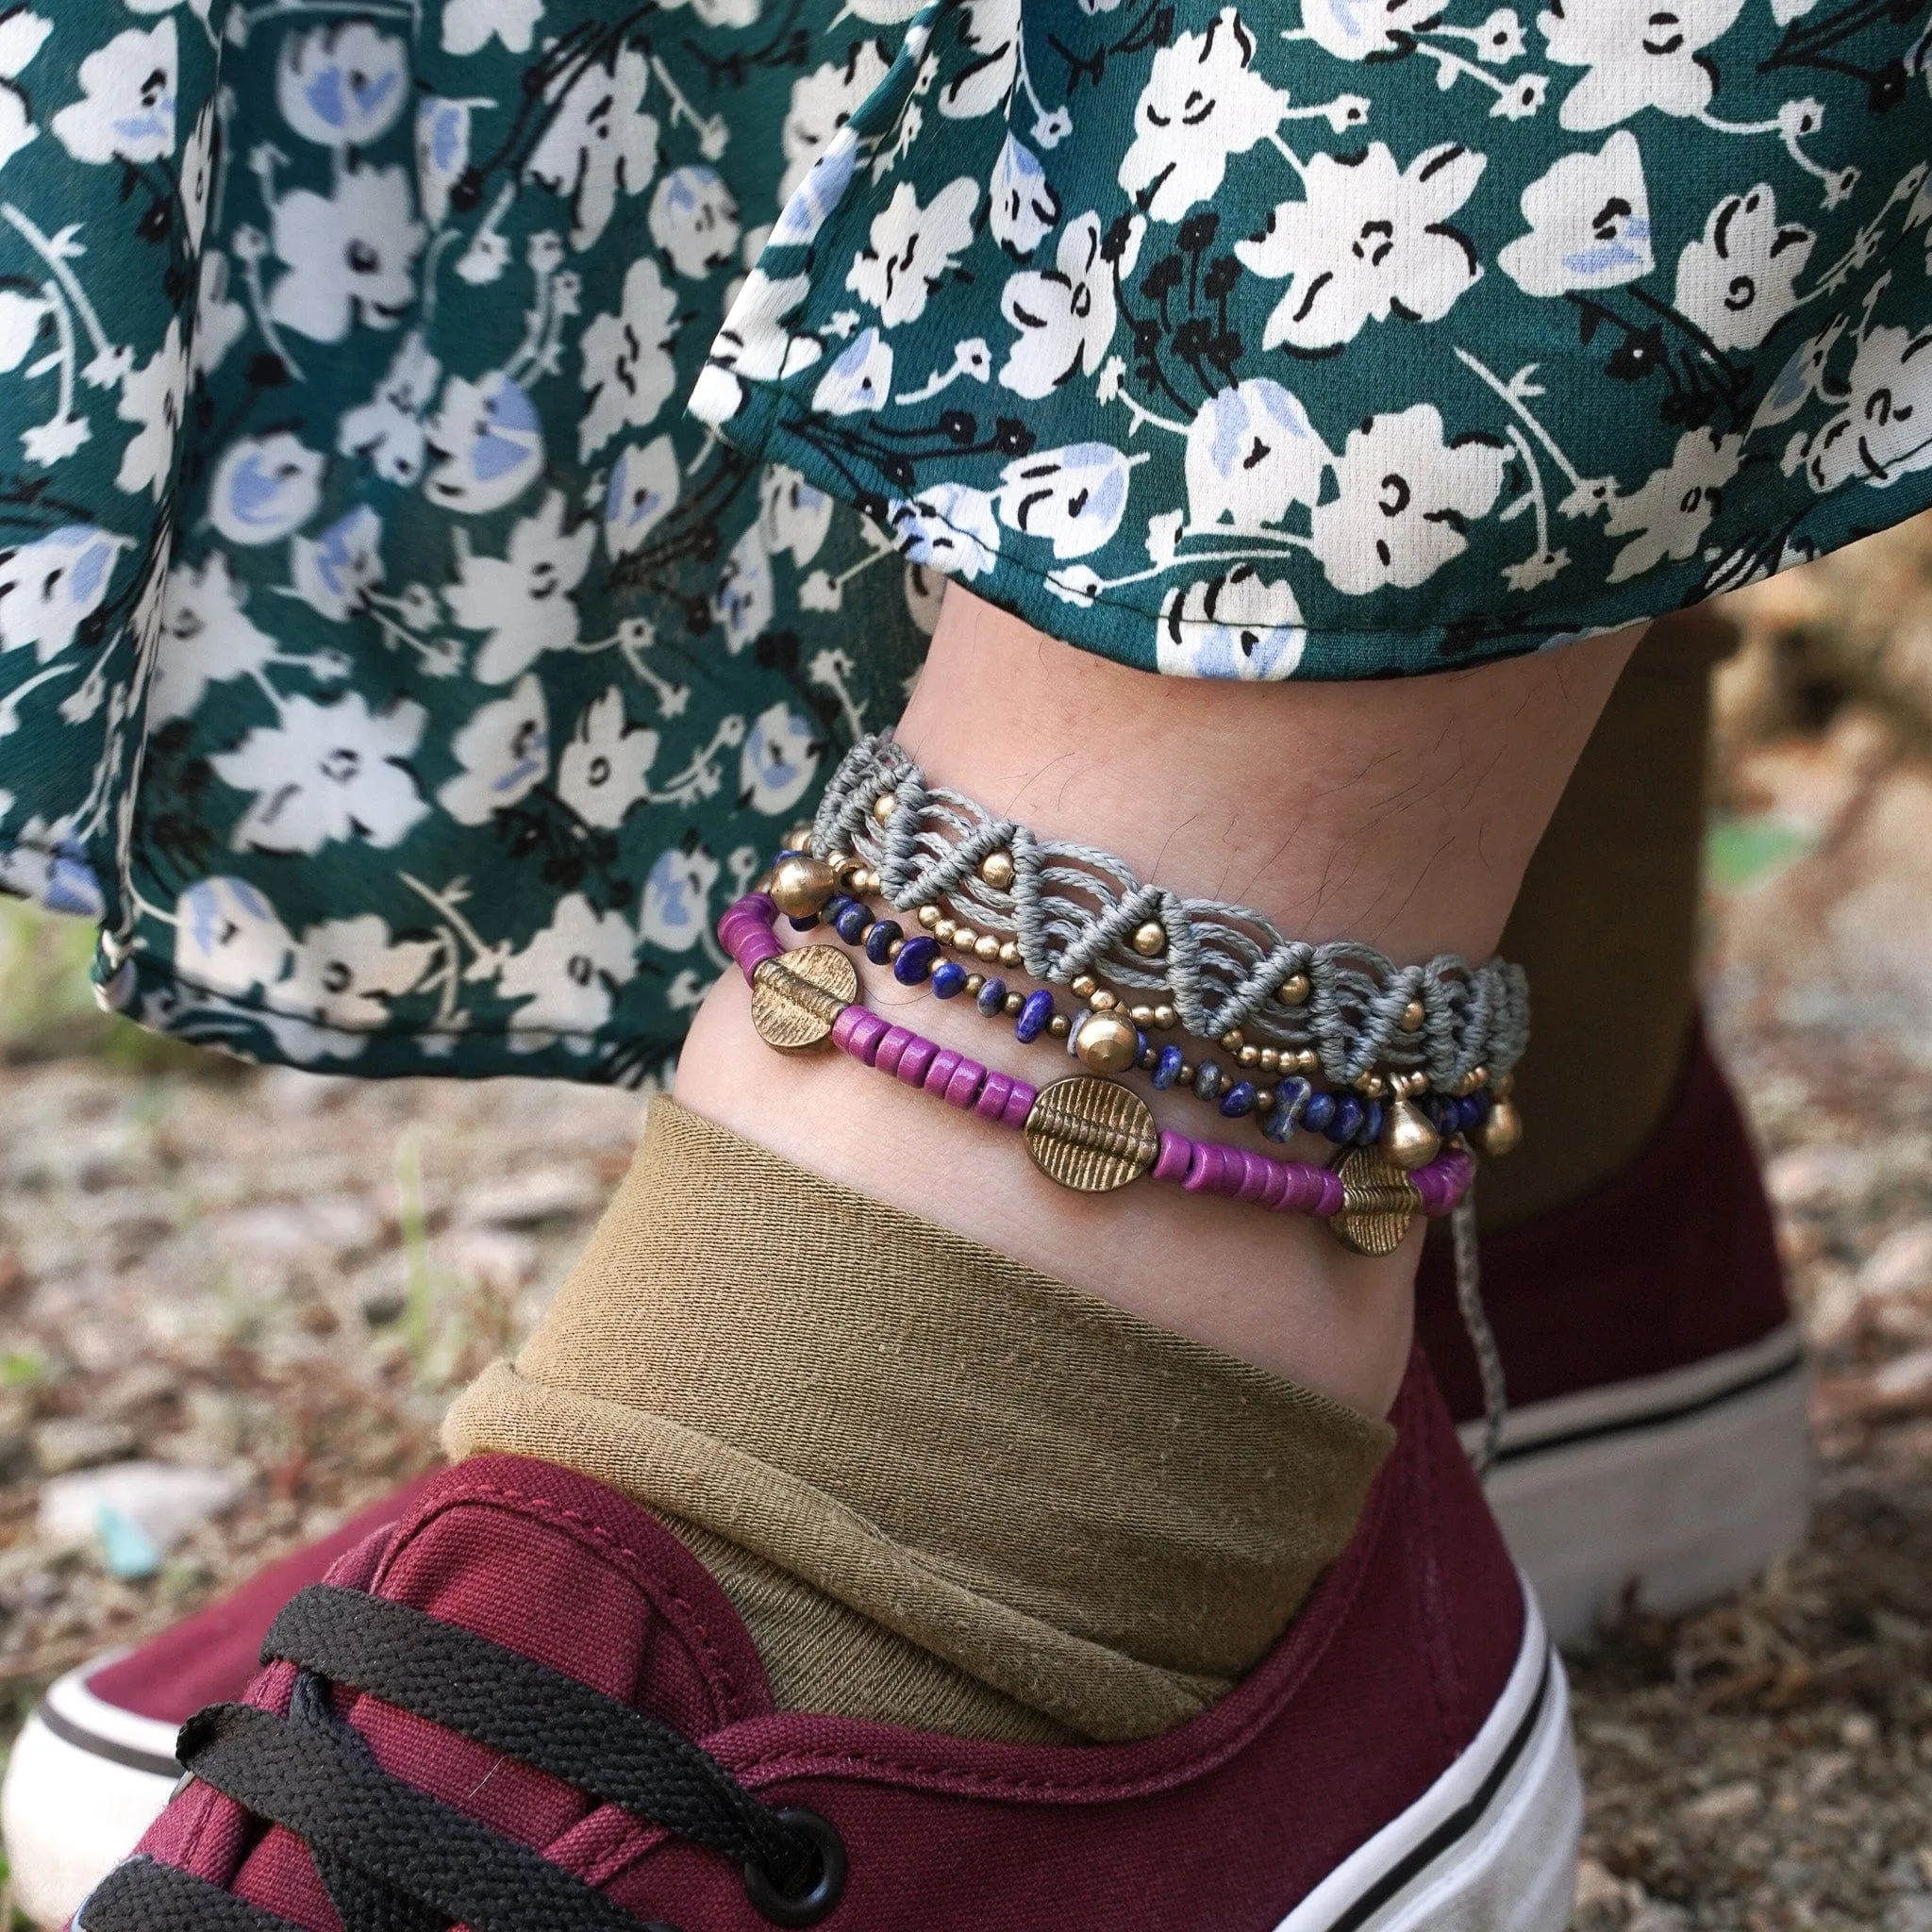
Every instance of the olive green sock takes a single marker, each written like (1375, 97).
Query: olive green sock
(943, 1490)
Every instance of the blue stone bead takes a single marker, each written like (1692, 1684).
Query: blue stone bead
(993, 998)
(803, 925)
(1347, 1121)
(913, 967)
(948, 979)
(1237, 1100)
(855, 922)
(1291, 1097)
(878, 942)
(1167, 1067)
(1370, 1130)
(1034, 1016)
(1209, 1081)
(1143, 1049)
(1319, 1112)
(1476, 1110)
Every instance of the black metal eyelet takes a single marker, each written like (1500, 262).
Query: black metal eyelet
(826, 1889)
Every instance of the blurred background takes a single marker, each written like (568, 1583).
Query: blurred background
(233, 1304)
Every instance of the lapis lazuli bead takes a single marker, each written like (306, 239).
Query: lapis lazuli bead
(1319, 1112)
(1237, 1100)
(1034, 1015)
(878, 942)
(1476, 1110)
(948, 979)
(1347, 1121)
(1209, 1081)
(1143, 1049)
(805, 924)
(913, 967)
(1291, 1097)
(1167, 1066)
(1370, 1129)
(855, 922)
(993, 997)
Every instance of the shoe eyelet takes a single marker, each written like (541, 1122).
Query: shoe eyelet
(808, 1906)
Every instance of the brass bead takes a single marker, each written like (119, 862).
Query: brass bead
(1009, 952)
(860, 881)
(1502, 1085)
(884, 806)
(988, 948)
(1371, 1086)
(1308, 1060)
(1502, 1131)
(1092, 1135)
(1410, 1138)
(1293, 989)
(1232, 1040)
(965, 938)
(799, 837)
(1166, 1018)
(1015, 1001)
(1059, 1025)
(1412, 1017)
(801, 885)
(1271, 1059)
(942, 930)
(893, 951)
(997, 869)
(1084, 987)
(1141, 1016)
(1264, 1099)
(929, 916)
(843, 865)
(1150, 941)
(1378, 1203)
(1185, 1076)
(1103, 1001)
(973, 982)
(1249, 1055)
(797, 998)
(1108, 1042)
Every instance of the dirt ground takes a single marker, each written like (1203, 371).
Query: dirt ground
(284, 1276)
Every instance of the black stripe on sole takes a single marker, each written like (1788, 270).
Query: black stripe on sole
(132, 1755)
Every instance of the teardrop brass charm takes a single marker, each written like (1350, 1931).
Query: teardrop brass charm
(796, 997)
(1091, 1135)
(1378, 1202)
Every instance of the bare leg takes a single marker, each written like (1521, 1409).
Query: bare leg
(1402, 813)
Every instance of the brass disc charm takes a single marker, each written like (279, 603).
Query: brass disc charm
(796, 997)
(1378, 1204)
(1091, 1135)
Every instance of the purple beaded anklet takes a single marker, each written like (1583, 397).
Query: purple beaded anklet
(1086, 1132)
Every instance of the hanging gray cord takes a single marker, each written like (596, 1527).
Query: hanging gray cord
(1475, 1324)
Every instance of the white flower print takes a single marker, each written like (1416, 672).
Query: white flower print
(1203, 102)
(340, 977)
(504, 749)
(754, 344)
(469, 25)
(1883, 429)
(646, 482)
(1073, 498)
(350, 257)
(1362, 31)
(858, 378)
(602, 771)
(50, 588)
(1235, 625)
(205, 639)
(22, 36)
(1252, 453)
(343, 85)
(228, 940)
(154, 397)
(823, 102)
(388, 432)
(1589, 224)
(523, 600)
(198, 177)
(1668, 515)
(794, 516)
(334, 573)
(1065, 315)
(948, 527)
(745, 602)
(442, 152)
(1368, 239)
(128, 110)
(1407, 496)
(326, 774)
(220, 321)
(629, 373)
(1022, 206)
(265, 488)
(488, 440)
(1640, 53)
(600, 143)
(568, 976)
(780, 760)
(991, 29)
(694, 221)
(912, 249)
(1738, 281)
(677, 898)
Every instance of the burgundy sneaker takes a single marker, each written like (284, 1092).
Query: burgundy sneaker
(527, 1705)
(1656, 1381)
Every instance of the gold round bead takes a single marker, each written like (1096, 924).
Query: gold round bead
(1142, 1016)
(1014, 1001)
(929, 916)
(1009, 952)
(1185, 1076)
(1414, 1016)
(1109, 1042)
(801, 885)
(1264, 1099)
(1150, 941)
(799, 837)
(893, 951)
(1249, 1055)
(1166, 1018)
(1103, 1001)
(1059, 1025)
(988, 948)
(884, 806)
(1371, 1086)
(1233, 1040)
(1084, 987)
(965, 938)
(1293, 989)
(942, 930)
(997, 869)
(973, 982)
(1271, 1059)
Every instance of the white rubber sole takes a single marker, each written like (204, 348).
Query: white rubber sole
(84, 1781)
(1689, 1483)
(1490, 1846)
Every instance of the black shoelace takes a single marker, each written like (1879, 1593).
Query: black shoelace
(395, 1859)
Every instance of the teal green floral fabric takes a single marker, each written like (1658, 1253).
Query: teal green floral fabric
(405, 678)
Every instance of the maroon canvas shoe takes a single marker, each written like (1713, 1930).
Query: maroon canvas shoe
(527, 1705)
(1656, 1447)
